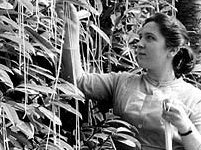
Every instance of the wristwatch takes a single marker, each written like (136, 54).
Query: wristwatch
(186, 133)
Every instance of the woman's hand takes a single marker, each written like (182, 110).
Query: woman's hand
(68, 13)
(71, 52)
(176, 114)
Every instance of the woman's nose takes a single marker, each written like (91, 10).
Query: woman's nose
(140, 45)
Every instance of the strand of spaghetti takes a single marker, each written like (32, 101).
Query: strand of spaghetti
(23, 49)
(20, 33)
(53, 109)
(168, 130)
(168, 136)
(25, 62)
(37, 15)
(51, 25)
(72, 53)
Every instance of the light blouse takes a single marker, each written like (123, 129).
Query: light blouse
(139, 102)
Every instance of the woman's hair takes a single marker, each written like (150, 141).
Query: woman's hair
(176, 37)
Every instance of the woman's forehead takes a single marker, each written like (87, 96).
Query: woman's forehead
(150, 27)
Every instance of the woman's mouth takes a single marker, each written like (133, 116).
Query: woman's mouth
(141, 54)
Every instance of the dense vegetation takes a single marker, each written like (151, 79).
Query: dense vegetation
(39, 109)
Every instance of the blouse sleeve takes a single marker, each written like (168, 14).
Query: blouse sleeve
(98, 86)
(196, 115)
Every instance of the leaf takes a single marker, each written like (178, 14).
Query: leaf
(21, 138)
(38, 88)
(26, 128)
(49, 146)
(72, 90)
(102, 136)
(109, 130)
(44, 2)
(197, 68)
(27, 4)
(5, 5)
(30, 108)
(18, 40)
(102, 34)
(38, 38)
(127, 139)
(10, 113)
(83, 14)
(125, 131)
(4, 77)
(14, 142)
(5, 28)
(99, 6)
(41, 71)
(84, 4)
(120, 123)
(9, 21)
(62, 144)
(5, 68)
(128, 142)
(29, 91)
(67, 107)
(50, 115)
(145, 6)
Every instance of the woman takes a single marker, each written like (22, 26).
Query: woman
(163, 51)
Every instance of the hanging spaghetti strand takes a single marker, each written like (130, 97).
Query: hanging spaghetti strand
(68, 15)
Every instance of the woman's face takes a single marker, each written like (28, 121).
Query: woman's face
(152, 51)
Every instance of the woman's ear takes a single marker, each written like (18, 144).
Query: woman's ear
(172, 52)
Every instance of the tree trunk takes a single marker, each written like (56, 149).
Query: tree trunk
(189, 13)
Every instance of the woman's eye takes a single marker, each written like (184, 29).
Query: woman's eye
(149, 37)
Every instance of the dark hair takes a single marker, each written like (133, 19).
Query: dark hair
(176, 37)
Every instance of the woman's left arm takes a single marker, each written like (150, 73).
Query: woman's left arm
(192, 141)
(189, 132)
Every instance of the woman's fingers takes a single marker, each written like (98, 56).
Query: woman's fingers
(66, 11)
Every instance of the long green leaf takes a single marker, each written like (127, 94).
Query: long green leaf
(38, 88)
(50, 115)
(67, 107)
(26, 128)
(30, 108)
(102, 34)
(5, 68)
(5, 28)
(27, 4)
(128, 142)
(20, 137)
(84, 4)
(69, 88)
(18, 40)
(41, 71)
(127, 139)
(49, 146)
(9, 21)
(5, 5)
(4, 77)
(62, 144)
(38, 38)
(83, 14)
(10, 113)
(120, 123)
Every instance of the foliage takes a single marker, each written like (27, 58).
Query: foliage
(32, 94)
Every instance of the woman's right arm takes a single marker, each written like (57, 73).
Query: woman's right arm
(71, 60)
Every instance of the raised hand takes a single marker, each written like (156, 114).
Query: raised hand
(71, 52)
(177, 115)
(68, 13)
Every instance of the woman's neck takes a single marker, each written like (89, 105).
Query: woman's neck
(164, 76)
